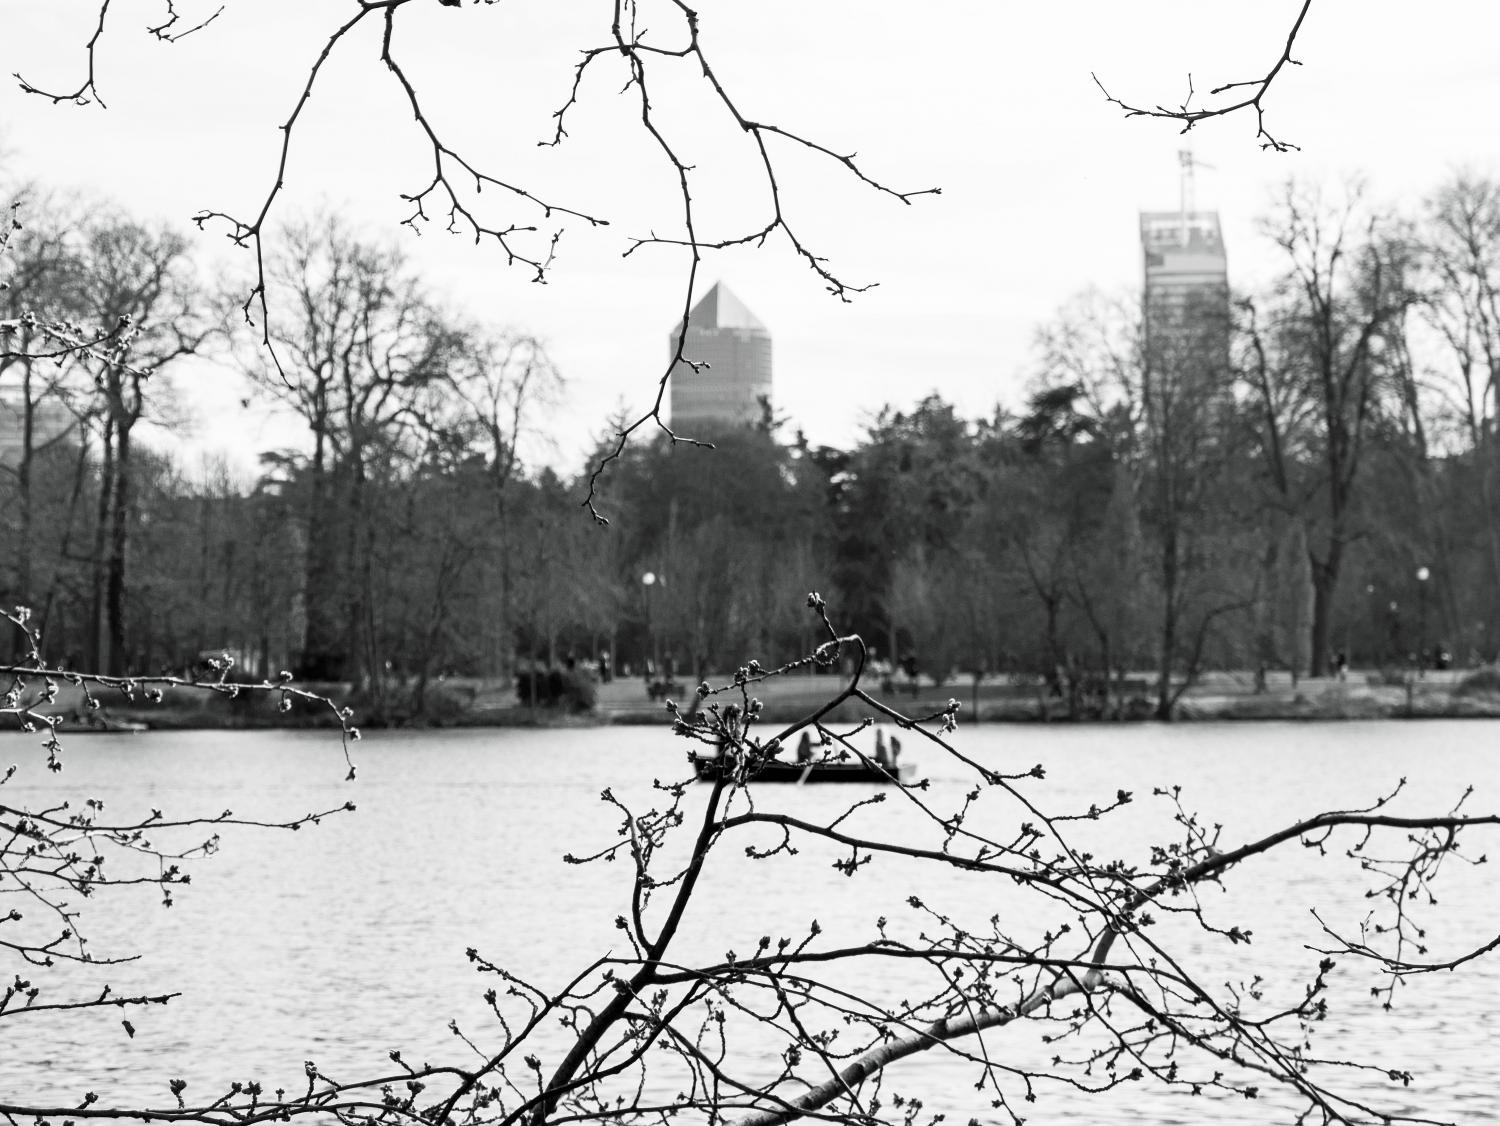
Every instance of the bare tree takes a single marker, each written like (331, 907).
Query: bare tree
(36, 290)
(500, 383)
(1111, 585)
(361, 351)
(104, 307)
(1158, 385)
(134, 283)
(1461, 260)
(1338, 334)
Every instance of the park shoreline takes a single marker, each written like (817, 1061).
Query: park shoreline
(1222, 699)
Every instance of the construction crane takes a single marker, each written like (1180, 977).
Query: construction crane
(1187, 189)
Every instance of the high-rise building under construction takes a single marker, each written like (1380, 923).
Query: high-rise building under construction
(51, 420)
(735, 387)
(1185, 300)
(1186, 293)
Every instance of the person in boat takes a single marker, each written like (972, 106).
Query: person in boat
(882, 757)
(804, 748)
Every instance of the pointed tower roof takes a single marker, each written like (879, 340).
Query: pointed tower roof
(720, 308)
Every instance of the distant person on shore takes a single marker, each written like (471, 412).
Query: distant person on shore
(913, 672)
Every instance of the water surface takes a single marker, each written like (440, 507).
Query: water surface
(340, 942)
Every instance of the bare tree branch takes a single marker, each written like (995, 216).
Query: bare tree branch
(1256, 90)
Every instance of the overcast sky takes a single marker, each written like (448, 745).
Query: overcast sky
(991, 101)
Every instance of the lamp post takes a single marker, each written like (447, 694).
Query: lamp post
(648, 581)
(1423, 574)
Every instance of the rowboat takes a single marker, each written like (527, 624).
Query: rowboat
(833, 763)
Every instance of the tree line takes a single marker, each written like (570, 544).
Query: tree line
(1306, 471)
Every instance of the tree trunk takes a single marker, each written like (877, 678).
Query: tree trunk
(204, 540)
(75, 496)
(97, 653)
(321, 657)
(24, 546)
(1325, 577)
(1168, 640)
(119, 533)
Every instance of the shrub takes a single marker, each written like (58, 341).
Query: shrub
(1483, 681)
(567, 689)
(443, 702)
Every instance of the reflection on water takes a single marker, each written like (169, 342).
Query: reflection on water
(341, 942)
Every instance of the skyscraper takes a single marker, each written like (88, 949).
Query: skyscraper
(50, 420)
(731, 340)
(1185, 302)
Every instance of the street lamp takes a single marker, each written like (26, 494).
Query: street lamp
(648, 580)
(1423, 574)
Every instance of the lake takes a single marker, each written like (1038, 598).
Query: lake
(343, 941)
